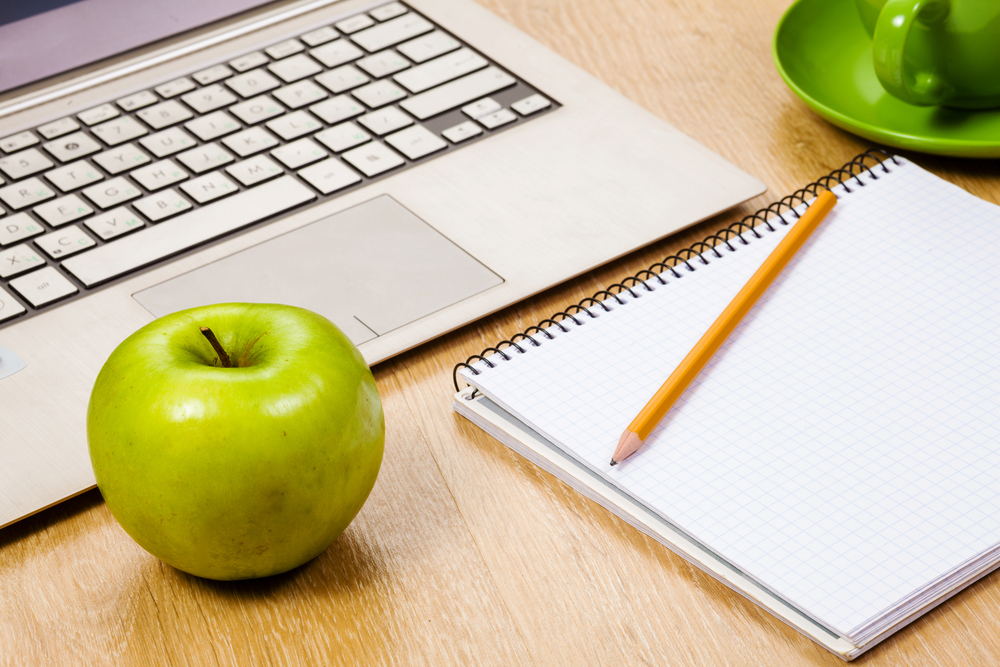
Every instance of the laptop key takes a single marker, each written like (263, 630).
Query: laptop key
(143, 98)
(175, 87)
(299, 153)
(205, 157)
(208, 187)
(297, 67)
(319, 36)
(18, 227)
(43, 286)
(416, 142)
(114, 223)
(16, 142)
(209, 98)
(159, 175)
(386, 12)
(65, 242)
(119, 130)
(98, 114)
(257, 109)
(28, 192)
(335, 109)
(212, 74)
(385, 120)
(458, 92)
(285, 49)
(481, 108)
(444, 68)
(252, 83)
(119, 159)
(428, 46)
(57, 128)
(459, 133)
(392, 32)
(162, 205)
(294, 125)
(300, 94)
(164, 114)
(336, 53)
(25, 163)
(373, 158)
(341, 79)
(250, 141)
(498, 118)
(346, 135)
(379, 94)
(71, 147)
(383, 63)
(248, 62)
(255, 170)
(111, 193)
(329, 176)
(18, 260)
(214, 125)
(187, 230)
(531, 104)
(168, 142)
(73, 176)
(355, 23)
(59, 212)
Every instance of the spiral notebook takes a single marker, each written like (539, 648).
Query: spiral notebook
(838, 461)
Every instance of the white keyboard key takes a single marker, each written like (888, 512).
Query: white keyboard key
(120, 159)
(18, 227)
(28, 192)
(206, 157)
(355, 23)
(253, 83)
(16, 142)
(336, 53)
(71, 147)
(335, 109)
(98, 114)
(60, 211)
(444, 68)
(459, 133)
(139, 100)
(379, 94)
(257, 109)
(392, 32)
(293, 125)
(175, 87)
(214, 125)
(373, 158)
(208, 187)
(164, 114)
(212, 74)
(119, 130)
(498, 118)
(43, 286)
(319, 36)
(255, 170)
(111, 193)
(386, 12)
(482, 107)
(73, 176)
(57, 128)
(429, 46)
(458, 92)
(187, 230)
(9, 307)
(168, 142)
(24, 163)
(209, 98)
(114, 223)
(383, 63)
(18, 260)
(346, 135)
(416, 142)
(248, 62)
(299, 153)
(299, 94)
(65, 242)
(250, 141)
(385, 120)
(531, 104)
(297, 67)
(342, 78)
(159, 175)
(329, 176)
(161, 205)
(285, 49)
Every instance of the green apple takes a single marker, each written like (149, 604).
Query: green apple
(240, 468)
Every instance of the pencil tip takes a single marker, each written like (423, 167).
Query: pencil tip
(613, 462)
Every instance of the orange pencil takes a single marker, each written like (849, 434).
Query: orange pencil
(667, 395)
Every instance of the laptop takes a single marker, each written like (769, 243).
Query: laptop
(402, 168)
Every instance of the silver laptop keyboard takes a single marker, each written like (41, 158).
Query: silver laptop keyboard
(90, 199)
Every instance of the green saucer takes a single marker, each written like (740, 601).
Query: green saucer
(824, 54)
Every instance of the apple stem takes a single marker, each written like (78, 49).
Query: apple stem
(223, 357)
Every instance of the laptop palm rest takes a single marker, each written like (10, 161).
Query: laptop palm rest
(370, 269)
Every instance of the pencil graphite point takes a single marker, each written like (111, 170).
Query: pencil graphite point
(627, 446)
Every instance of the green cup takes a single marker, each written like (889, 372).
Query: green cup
(936, 52)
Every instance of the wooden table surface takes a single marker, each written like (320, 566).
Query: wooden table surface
(465, 553)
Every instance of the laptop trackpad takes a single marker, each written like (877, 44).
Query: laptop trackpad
(369, 269)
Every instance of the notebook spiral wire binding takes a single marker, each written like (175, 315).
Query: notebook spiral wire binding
(696, 252)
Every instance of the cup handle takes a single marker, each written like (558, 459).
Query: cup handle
(924, 88)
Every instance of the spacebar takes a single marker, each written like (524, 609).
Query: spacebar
(188, 230)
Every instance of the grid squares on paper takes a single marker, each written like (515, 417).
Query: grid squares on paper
(841, 448)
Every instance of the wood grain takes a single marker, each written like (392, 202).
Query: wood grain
(465, 553)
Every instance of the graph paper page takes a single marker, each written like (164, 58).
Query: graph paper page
(841, 448)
